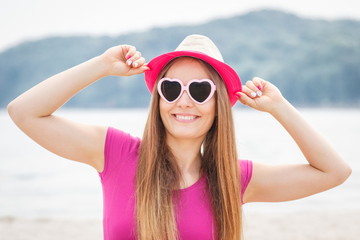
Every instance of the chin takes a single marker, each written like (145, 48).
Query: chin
(183, 135)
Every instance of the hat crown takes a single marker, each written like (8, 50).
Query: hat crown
(201, 47)
(200, 43)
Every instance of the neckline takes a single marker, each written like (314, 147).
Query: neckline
(195, 184)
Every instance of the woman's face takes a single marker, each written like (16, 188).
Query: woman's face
(185, 119)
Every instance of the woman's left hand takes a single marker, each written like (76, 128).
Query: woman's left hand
(260, 95)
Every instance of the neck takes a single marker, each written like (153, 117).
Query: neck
(187, 154)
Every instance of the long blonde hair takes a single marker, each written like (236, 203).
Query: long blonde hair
(158, 174)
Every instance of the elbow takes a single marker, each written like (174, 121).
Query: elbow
(347, 173)
(15, 112)
(11, 109)
(342, 174)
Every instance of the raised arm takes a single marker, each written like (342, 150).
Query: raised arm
(33, 110)
(325, 168)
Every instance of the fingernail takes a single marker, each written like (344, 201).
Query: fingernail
(253, 94)
(259, 93)
(259, 87)
(128, 57)
(129, 62)
(136, 64)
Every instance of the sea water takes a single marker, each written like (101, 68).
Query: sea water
(38, 184)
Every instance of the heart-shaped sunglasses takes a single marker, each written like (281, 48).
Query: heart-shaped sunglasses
(200, 91)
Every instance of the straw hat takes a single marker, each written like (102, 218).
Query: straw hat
(203, 48)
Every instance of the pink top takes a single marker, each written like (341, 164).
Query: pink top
(193, 215)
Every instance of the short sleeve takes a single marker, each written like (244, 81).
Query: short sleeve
(246, 168)
(118, 146)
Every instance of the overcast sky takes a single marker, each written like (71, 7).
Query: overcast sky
(22, 20)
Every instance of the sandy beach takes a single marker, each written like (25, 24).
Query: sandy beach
(284, 226)
(303, 226)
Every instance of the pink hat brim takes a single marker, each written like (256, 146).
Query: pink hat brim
(228, 74)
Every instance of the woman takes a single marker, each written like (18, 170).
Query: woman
(183, 179)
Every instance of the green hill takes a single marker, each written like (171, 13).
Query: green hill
(313, 62)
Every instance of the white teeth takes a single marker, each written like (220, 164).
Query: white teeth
(182, 117)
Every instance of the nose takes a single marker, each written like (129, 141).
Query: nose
(184, 100)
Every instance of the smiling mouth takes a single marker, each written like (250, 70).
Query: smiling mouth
(185, 117)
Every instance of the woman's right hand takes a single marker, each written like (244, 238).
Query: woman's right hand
(123, 60)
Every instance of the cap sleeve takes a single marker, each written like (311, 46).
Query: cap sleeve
(246, 168)
(118, 146)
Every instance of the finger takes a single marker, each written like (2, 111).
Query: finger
(134, 71)
(129, 51)
(139, 62)
(248, 91)
(131, 61)
(250, 84)
(255, 86)
(258, 82)
(134, 60)
(245, 99)
(136, 56)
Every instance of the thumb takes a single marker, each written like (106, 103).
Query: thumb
(139, 70)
